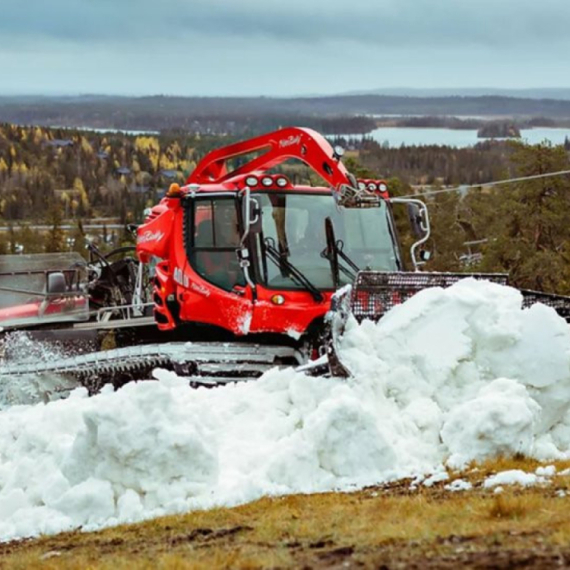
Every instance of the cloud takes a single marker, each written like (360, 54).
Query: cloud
(251, 47)
(374, 22)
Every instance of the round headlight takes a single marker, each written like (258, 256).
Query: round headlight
(267, 181)
(362, 185)
(251, 181)
(282, 182)
(338, 150)
(372, 187)
(383, 187)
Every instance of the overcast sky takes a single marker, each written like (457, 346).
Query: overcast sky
(286, 47)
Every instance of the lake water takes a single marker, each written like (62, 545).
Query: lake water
(414, 136)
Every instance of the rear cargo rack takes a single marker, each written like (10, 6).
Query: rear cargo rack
(374, 293)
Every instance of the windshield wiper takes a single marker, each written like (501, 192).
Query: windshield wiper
(282, 262)
(333, 251)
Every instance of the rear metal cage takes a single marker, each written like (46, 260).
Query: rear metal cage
(374, 293)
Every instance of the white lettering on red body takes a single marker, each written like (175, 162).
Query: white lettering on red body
(200, 289)
(150, 236)
(180, 277)
(290, 141)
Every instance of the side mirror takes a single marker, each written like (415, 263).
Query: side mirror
(56, 284)
(417, 221)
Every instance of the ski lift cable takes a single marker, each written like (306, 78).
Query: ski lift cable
(486, 184)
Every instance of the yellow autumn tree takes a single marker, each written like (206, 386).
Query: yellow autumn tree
(150, 147)
(38, 135)
(81, 194)
(167, 163)
(86, 146)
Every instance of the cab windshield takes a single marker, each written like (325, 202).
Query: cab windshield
(294, 226)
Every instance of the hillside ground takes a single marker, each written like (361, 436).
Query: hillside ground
(389, 526)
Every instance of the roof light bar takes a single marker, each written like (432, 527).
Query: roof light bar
(374, 186)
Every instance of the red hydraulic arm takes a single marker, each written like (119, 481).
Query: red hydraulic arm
(292, 142)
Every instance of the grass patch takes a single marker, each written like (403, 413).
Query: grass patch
(507, 506)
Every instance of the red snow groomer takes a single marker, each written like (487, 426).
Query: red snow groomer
(246, 266)
(250, 252)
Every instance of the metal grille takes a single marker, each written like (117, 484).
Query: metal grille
(559, 303)
(374, 293)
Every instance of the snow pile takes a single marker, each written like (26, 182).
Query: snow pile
(450, 376)
(467, 365)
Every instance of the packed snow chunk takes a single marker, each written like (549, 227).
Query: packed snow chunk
(437, 477)
(512, 477)
(546, 471)
(129, 506)
(459, 485)
(500, 420)
(347, 440)
(146, 439)
(91, 502)
(13, 501)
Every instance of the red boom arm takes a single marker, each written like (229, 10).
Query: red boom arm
(292, 142)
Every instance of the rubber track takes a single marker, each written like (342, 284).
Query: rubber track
(226, 360)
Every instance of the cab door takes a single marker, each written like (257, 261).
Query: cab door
(216, 292)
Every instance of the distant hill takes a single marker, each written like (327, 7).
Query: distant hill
(562, 93)
(247, 115)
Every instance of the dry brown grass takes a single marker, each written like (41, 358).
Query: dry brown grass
(386, 524)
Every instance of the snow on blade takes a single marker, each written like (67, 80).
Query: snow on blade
(450, 376)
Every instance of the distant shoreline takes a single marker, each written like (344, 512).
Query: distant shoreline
(242, 117)
(468, 123)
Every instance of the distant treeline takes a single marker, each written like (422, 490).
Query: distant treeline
(85, 174)
(433, 164)
(242, 116)
(237, 117)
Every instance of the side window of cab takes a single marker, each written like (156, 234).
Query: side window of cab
(215, 239)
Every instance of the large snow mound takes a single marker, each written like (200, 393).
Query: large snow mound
(448, 377)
